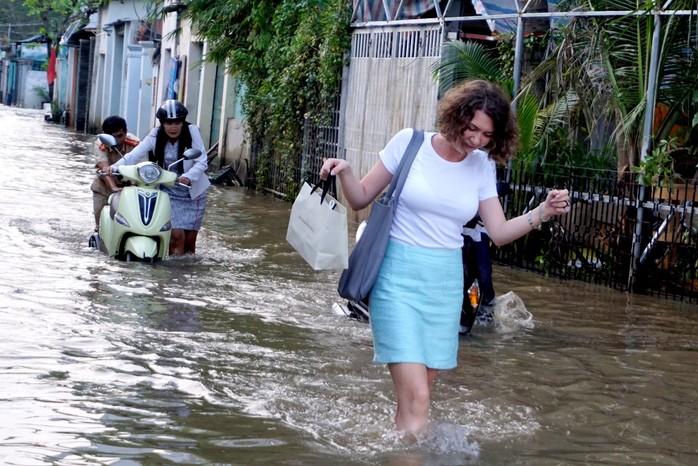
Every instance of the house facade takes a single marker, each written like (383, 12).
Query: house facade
(122, 62)
(22, 74)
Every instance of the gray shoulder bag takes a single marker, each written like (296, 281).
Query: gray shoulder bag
(366, 258)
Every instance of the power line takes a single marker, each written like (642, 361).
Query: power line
(18, 31)
(20, 24)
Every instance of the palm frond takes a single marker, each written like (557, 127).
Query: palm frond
(556, 114)
(527, 106)
(465, 60)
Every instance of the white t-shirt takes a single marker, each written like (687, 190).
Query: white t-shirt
(439, 196)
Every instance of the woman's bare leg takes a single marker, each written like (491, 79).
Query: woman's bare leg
(412, 383)
(177, 242)
(190, 241)
(431, 376)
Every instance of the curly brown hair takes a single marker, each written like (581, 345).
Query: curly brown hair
(457, 108)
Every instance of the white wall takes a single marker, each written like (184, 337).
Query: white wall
(146, 112)
(31, 99)
(114, 82)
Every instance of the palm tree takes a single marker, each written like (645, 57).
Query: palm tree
(470, 60)
(606, 62)
(597, 75)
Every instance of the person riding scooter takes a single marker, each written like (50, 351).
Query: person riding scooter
(103, 186)
(165, 145)
(135, 224)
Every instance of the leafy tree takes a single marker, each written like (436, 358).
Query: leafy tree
(56, 15)
(289, 55)
(16, 23)
(606, 62)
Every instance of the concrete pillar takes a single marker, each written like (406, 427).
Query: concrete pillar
(132, 85)
(207, 86)
(227, 113)
(145, 92)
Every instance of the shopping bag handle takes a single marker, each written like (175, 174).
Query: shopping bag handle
(326, 185)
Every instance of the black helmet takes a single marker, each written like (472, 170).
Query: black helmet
(171, 110)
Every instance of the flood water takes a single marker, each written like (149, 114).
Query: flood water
(234, 356)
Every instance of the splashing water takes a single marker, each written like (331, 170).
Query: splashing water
(510, 314)
(447, 438)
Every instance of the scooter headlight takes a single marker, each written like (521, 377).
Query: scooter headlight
(149, 173)
(167, 226)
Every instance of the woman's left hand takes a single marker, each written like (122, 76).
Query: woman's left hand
(556, 203)
(184, 180)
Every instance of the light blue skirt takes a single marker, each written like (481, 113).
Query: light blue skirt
(416, 304)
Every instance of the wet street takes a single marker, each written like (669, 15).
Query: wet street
(234, 356)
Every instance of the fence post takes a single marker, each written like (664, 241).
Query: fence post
(646, 138)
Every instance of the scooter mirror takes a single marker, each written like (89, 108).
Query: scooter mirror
(108, 140)
(192, 153)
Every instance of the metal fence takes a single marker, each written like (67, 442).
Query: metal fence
(321, 140)
(618, 234)
(599, 241)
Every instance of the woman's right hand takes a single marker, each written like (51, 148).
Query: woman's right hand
(358, 194)
(333, 167)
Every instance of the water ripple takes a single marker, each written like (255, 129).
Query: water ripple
(234, 355)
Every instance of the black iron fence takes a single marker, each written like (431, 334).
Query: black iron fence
(321, 140)
(618, 234)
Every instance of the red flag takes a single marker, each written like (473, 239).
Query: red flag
(51, 72)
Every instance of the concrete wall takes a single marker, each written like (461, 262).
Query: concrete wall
(130, 80)
(236, 150)
(31, 98)
(118, 62)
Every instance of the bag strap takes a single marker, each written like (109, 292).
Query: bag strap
(326, 184)
(403, 169)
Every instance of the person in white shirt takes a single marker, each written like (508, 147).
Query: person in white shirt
(416, 300)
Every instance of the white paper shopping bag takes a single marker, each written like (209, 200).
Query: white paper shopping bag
(317, 229)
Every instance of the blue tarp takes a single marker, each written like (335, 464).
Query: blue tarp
(485, 8)
(375, 10)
